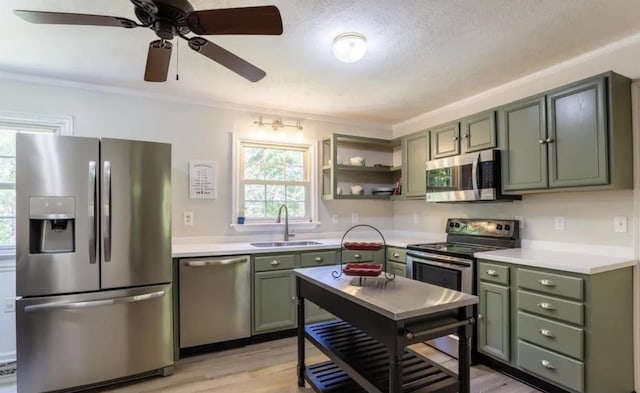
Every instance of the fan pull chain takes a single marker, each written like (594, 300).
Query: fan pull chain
(177, 60)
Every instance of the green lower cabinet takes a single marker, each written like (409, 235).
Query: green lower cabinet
(552, 366)
(494, 332)
(399, 269)
(274, 305)
(314, 313)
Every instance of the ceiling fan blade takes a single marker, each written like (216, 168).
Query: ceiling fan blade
(158, 61)
(61, 18)
(264, 20)
(227, 59)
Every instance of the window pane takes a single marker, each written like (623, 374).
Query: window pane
(7, 170)
(296, 209)
(7, 232)
(253, 158)
(295, 193)
(254, 209)
(275, 193)
(8, 203)
(272, 209)
(295, 173)
(254, 192)
(295, 158)
(7, 142)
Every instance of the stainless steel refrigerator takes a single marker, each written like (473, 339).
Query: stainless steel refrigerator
(93, 245)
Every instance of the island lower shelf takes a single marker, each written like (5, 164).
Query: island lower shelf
(361, 364)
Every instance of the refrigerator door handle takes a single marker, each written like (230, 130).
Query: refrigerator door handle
(107, 211)
(93, 303)
(92, 212)
(217, 262)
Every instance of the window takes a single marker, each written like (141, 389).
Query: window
(272, 175)
(10, 125)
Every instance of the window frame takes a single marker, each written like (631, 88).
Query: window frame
(57, 124)
(237, 184)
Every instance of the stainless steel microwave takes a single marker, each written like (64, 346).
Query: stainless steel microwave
(466, 178)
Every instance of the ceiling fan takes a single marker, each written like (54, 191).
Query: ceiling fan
(171, 18)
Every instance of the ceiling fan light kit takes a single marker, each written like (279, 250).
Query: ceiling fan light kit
(349, 47)
(171, 18)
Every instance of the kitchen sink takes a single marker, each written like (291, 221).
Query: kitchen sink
(285, 244)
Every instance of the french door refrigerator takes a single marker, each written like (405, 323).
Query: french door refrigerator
(93, 254)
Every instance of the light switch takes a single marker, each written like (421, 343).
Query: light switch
(559, 223)
(335, 219)
(354, 218)
(620, 224)
(188, 219)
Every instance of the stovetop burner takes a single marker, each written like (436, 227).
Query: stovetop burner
(458, 248)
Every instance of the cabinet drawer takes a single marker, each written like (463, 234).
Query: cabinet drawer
(399, 269)
(554, 284)
(397, 254)
(551, 307)
(357, 256)
(556, 336)
(318, 258)
(494, 273)
(549, 365)
(275, 262)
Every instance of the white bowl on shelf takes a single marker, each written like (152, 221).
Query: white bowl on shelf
(359, 161)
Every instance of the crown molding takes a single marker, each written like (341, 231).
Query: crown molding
(43, 80)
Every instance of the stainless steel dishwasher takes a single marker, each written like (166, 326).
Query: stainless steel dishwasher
(215, 303)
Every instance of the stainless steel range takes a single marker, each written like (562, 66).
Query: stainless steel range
(451, 264)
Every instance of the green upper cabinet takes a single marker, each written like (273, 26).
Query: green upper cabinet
(445, 140)
(524, 158)
(478, 132)
(415, 153)
(577, 135)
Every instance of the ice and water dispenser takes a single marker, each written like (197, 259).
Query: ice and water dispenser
(52, 225)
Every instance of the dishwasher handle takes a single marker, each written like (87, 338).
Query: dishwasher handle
(216, 262)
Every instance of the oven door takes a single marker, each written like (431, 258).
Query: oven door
(467, 177)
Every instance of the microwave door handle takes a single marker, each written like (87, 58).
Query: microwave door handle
(475, 174)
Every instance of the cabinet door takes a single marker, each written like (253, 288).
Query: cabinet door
(445, 140)
(478, 132)
(314, 313)
(274, 301)
(415, 153)
(493, 327)
(399, 269)
(577, 140)
(524, 159)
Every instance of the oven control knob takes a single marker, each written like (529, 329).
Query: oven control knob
(457, 225)
(450, 225)
(499, 227)
(507, 227)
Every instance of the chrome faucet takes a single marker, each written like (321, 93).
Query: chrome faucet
(287, 235)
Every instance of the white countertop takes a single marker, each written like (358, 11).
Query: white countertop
(398, 299)
(559, 260)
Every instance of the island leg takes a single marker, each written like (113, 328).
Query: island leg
(396, 351)
(464, 351)
(300, 304)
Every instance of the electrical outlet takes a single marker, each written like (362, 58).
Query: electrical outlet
(559, 223)
(9, 305)
(188, 219)
(620, 224)
(335, 219)
(416, 219)
(520, 220)
(354, 218)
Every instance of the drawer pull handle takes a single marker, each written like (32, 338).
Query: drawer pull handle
(547, 364)
(547, 333)
(546, 306)
(396, 255)
(547, 283)
(319, 259)
(274, 262)
(357, 256)
(491, 272)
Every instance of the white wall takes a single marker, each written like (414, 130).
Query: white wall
(7, 319)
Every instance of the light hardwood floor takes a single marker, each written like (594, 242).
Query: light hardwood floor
(271, 368)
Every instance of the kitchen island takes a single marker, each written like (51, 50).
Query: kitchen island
(378, 319)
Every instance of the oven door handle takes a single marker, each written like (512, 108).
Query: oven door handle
(474, 175)
(445, 264)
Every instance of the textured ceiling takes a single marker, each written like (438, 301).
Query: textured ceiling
(423, 54)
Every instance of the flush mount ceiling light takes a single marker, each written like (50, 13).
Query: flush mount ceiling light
(349, 47)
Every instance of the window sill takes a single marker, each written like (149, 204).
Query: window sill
(271, 227)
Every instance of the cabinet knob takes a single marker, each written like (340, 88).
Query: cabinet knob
(549, 140)
(357, 256)
(546, 306)
(491, 272)
(396, 255)
(547, 364)
(541, 141)
(480, 316)
(275, 262)
(293, 298)
(547, 333)
(319, 259)
(455, 138)
(465, 136)
(547, 283)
